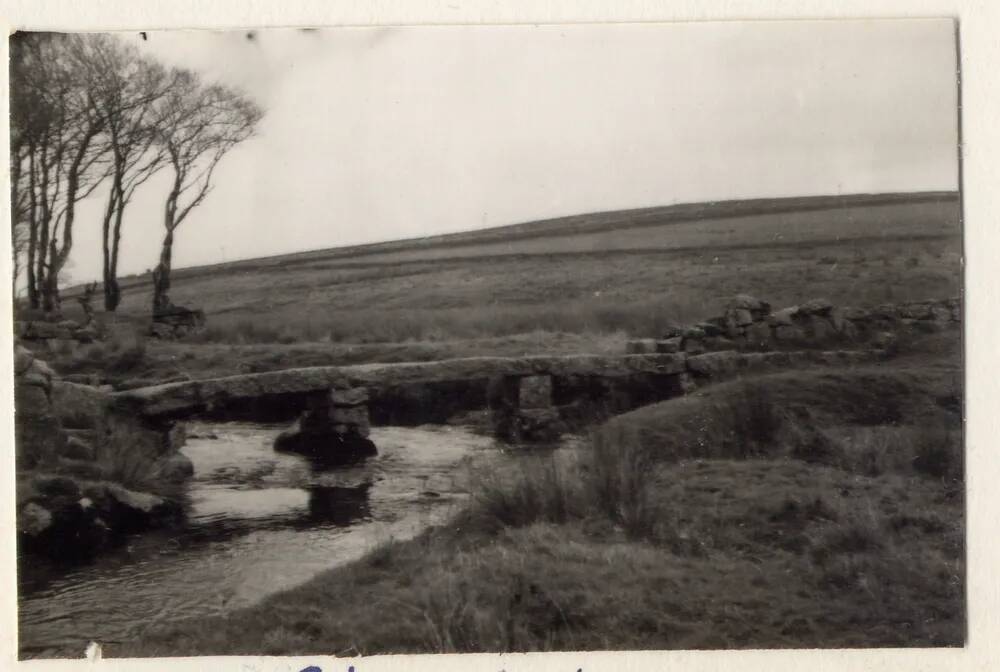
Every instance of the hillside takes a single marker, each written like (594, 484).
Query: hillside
(569, 234)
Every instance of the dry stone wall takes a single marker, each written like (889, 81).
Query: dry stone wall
(81, 465)
(750, 324)
(51, 335)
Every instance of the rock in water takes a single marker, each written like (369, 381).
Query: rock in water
(33, 519)
(173, 468)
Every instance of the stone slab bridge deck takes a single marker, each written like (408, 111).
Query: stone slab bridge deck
(529, 398)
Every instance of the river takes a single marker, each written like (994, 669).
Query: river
(259, 522)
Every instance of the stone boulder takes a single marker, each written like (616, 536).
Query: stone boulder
(820, 328)
(784, 317)
(56, 520)
(77, 449)
(816, 307)
(33, 331)
(71, 522)
(715, 364)
(668, 345)
(693, 346)
(710, 328)
(38, 434)
(539, 424)
(125, 511)
(758, 336)
(673, 331)
(38, 373)
(788, 333)
(33, 519)
(173, 468)
(641, 346)
(23, 358)
(740, 316)
(860, 314)
(755, 306)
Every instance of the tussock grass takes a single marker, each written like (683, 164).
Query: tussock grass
(535, 489)
(609, 477)
(619, 480)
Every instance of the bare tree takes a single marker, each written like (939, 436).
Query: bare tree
(200, 124)
(125, 89)
(59, 160)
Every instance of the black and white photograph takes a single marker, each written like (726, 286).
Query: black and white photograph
(354, 341)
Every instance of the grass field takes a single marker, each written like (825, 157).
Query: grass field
(578, 284)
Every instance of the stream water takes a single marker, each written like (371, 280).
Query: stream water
(259, 522)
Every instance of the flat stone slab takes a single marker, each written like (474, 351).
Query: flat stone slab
(190, 397)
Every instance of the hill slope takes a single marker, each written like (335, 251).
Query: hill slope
(632, 271)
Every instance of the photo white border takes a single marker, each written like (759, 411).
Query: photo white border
(980, 57)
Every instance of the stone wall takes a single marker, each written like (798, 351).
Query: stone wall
(82, 465)
(176, 321)
(38, 434)
(52, 335)
(749, 324)
(61, 425)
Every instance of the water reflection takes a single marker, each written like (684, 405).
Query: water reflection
(340, 506)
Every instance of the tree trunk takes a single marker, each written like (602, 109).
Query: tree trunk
(32, 231)
(112, 289)
(59, 254)
(41, 265)
(50, 287)
(106, 248)
(161, 276)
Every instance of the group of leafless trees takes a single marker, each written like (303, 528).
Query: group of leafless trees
(89, 112)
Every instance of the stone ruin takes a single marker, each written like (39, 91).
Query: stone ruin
(749, 324)
(176, 321)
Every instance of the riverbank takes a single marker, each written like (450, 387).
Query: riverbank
(815, 508)
(255, 522)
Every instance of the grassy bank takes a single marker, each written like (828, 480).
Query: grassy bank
(817, 508)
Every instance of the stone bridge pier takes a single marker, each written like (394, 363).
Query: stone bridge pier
(333, 429)
(523, 409)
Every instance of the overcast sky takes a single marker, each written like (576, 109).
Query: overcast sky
(377, 134)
